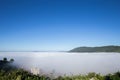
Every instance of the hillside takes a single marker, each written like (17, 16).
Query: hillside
(97, 49)
(9, 72)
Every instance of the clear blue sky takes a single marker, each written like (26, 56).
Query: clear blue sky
(58, 24)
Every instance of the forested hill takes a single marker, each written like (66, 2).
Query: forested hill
(97, 49)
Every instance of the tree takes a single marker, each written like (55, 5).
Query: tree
(5, 59)
(11, 60)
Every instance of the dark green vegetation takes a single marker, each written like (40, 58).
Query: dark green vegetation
(9, 72)
(97, 49)
(7, 65)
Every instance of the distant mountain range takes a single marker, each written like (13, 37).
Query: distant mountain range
(97, 49)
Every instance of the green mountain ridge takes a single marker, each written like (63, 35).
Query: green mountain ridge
(97, 49)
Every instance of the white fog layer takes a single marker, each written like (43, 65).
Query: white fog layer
(66, 63)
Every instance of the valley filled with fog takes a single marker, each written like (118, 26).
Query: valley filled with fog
(60, 63)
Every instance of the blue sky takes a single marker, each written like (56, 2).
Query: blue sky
(58, 24)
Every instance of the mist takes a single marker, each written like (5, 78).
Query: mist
(61, 63)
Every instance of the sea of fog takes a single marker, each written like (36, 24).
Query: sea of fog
(66, 63)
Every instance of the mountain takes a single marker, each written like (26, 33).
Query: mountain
(97, 49)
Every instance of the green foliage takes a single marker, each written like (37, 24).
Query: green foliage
(20, 74)
(19, 77)
(91, 75)
(5, 59)
(11, 60)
